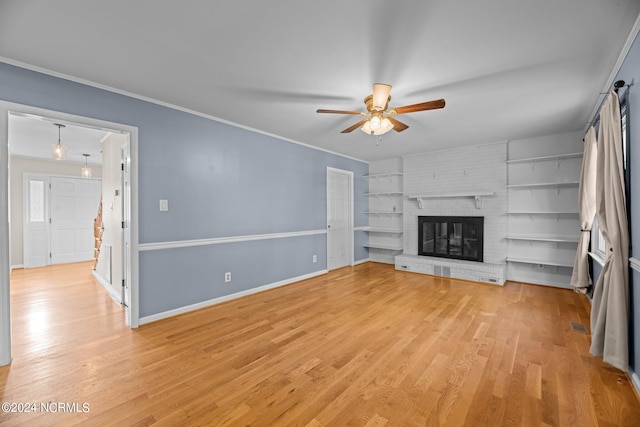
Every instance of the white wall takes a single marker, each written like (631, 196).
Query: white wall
(111, 212)
(481, 167)
(18, 166)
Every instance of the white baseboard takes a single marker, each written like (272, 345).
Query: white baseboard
(13, 267)
(635, 380)
(203, 304)
(362, 261)
(113, 294)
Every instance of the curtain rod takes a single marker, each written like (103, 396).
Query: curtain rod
(616, 86)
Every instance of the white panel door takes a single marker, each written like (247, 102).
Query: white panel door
(35, 247)
(339, 219)
(74, 205)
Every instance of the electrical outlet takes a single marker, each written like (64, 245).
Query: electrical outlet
(315, 258)
(227, 276)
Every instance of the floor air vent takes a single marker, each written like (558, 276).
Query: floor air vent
(578, 327)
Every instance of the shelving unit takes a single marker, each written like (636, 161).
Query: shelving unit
(545, 158)
(540, 262)
(544, 184)
(543, 238)
(385, 211)
(543, 222)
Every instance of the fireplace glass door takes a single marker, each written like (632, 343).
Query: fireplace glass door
(451, 237)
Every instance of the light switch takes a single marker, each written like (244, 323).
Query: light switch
(164, 205)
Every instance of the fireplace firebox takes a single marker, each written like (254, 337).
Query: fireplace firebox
(457, 237)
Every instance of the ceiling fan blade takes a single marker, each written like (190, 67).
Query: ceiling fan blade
(429, 105)
(355, 126)
(398, 126)
(339, 111)
(380, 96)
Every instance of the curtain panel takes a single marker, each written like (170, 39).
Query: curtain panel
(580, 278)
(610, 305)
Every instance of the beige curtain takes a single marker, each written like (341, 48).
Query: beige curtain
(580, 278)
(610, 305)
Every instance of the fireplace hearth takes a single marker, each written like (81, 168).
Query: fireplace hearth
(454, 237)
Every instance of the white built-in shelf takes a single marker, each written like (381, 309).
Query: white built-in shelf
(544, 238)
(391, 193)
(555, 263)
(542, 213)
(383, 175)
(383, 212)
(385, 247)
(384, 230)
(477, 194)
(544, 184)
(545, 158)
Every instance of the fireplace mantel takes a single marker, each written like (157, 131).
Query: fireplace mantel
(479, 195)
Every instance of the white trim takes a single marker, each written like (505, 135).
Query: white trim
(222, 240)
(112, 293)
(225, 298)
(614, 72)
(164, 104)
(15, 267)
(362, 261)
(597, 258)
(5, 299)
(635, 380)
(635, 264)
(361, 228)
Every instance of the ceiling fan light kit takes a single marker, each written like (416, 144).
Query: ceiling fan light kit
(379, 120)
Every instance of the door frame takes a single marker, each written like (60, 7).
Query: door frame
(131, 221)
(350, 244)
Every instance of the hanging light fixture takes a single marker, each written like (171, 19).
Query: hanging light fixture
(57, 150)
(86, 170)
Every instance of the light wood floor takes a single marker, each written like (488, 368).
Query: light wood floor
(359, 346)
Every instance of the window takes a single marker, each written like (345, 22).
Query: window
(597, 239)
(36, 201)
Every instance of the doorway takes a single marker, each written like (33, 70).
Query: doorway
(339, 218)
(129, 224)
(57, 218)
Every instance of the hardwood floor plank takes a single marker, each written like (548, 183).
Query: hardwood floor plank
(364, 345)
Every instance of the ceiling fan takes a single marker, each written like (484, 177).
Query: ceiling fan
(378, 119)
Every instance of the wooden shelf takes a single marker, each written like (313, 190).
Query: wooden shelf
(545, 184)
(541, 213)
(384, 230)
(477, 194)
(383, 175)
(545, 158)
(385, 247)
(554, 263)
(394, 193)
(383, 212)
(544, 238)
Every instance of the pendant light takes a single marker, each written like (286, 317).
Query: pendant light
(86, 170)
(57, 150)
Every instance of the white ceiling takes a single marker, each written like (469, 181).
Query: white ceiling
(32, 136)
(508, 69)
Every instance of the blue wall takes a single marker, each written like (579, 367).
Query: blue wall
(630, 72)
(220, 180)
